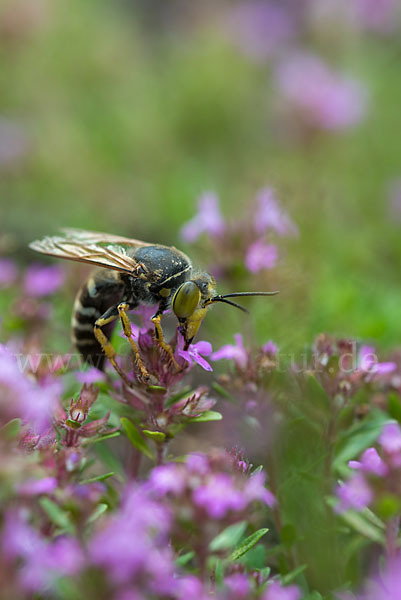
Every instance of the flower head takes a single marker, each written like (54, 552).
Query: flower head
(319, 96)
(261, 256)
(270, 215)
(207, 220)
(235, 352)
(41, 280)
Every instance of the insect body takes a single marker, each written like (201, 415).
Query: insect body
(132, 273)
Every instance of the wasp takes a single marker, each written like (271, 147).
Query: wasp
(131, 273)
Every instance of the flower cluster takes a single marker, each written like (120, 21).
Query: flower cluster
(377, 476)
(243, 241)
(314, 97)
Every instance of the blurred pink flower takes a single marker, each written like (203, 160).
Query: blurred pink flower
(318, 95)
(8, 272)
(260, 28)
(270, 348)
(370, 463)
(207, 220)
(235, 352)
(276, 591)
(386, 585)
(42, 280)
(270, 215)
(390, 438)
(92, 375)
(354, 493)
(261, 256)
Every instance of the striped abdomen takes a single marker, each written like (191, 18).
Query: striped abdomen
(101, 291)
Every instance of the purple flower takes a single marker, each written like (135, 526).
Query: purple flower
(92, 375)
(270, 215)
(8, 272)
(390, 438)
(148, 561)
(193, 354)
(21, 397)
(318, 95)
(33, 487)
(167, 478)
(368, 362)
(260, 256)
(370, 463)
(255, 489)
(376, 15)
(42, 561)
(387, 585)
(218, 496)
(40, 280)
(355, 493)
(276, 591)
(207, 220)
(270, 348)
(231, 352)
(238, 585)
(260, 28)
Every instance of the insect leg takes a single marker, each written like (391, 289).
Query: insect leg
(122, 311)
(159, 336)
(105, 319)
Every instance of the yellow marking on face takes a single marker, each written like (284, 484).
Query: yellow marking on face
(165, 292)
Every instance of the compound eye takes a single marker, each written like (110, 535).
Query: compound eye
(185, 300)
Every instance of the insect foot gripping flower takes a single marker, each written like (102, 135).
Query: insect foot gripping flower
(207, 493)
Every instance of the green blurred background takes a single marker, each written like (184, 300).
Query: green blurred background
(120, 114)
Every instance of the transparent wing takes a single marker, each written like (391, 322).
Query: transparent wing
(97, 237)
(94, 248)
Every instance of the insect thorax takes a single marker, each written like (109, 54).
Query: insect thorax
(163, 270)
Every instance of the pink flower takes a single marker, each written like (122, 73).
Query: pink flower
(41, 280)
(8, 272)
(218, 496)
(370, 463)
(270, 348)
(318, 95)
(33, 487)
(355, 493)
(276, 591)
(390, 438)
(92, 375)
(270, 215)
(193, 354)
(207, 220)
(233, 352)
(260, 256)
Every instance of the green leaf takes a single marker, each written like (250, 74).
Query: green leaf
(97, 478)
(156, 389)
(99, 511)
(185, 393)
(288, 535)
(135, 438)
(221, 390)
(229, 537)
(394, 406)
(209, 415)
(102, 438)
(287, 579)
(316, 391)
(57, 515)
(248, 544)
(359, 437)
(360, 523)
(10, 430)
(156, 436)
(184, 559)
